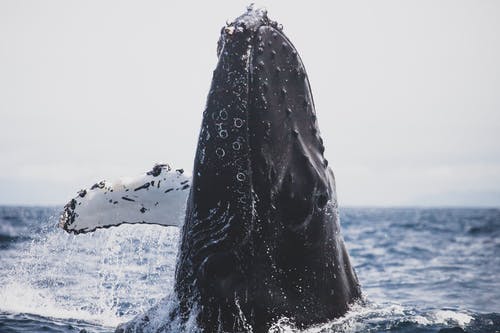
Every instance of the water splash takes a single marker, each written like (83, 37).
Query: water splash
(372, 317)
(105, 278)
(52, 279)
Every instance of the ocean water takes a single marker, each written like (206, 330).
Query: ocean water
(421, 270)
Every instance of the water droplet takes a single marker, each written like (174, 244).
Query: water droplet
(299, 73)
(264, 101)
(283, 92)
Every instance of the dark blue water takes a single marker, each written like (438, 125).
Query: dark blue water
(421, 270)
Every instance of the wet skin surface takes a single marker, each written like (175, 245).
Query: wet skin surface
(261, 239)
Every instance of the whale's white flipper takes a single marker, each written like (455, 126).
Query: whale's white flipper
(156, 197)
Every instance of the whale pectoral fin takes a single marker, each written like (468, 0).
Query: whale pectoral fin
(156, 197)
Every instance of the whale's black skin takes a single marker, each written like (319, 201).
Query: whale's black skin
(261, 238)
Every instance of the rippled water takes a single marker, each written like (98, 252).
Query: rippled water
(421, 270)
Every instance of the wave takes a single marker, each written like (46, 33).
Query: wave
(64, 282)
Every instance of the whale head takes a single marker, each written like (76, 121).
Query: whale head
(259, 127)
(261, 236)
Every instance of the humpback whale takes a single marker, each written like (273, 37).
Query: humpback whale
(261, 236)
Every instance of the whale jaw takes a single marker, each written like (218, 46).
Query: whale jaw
(261, 238)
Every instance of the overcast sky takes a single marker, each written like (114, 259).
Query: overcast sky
(407, 93)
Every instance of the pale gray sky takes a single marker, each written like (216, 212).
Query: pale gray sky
(407, 93)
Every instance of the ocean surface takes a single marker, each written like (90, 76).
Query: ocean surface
(421, 270)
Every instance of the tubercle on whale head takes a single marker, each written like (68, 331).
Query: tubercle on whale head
(248, 23)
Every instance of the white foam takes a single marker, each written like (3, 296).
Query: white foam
(367, 316)
(450, 317)
(23, 298)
